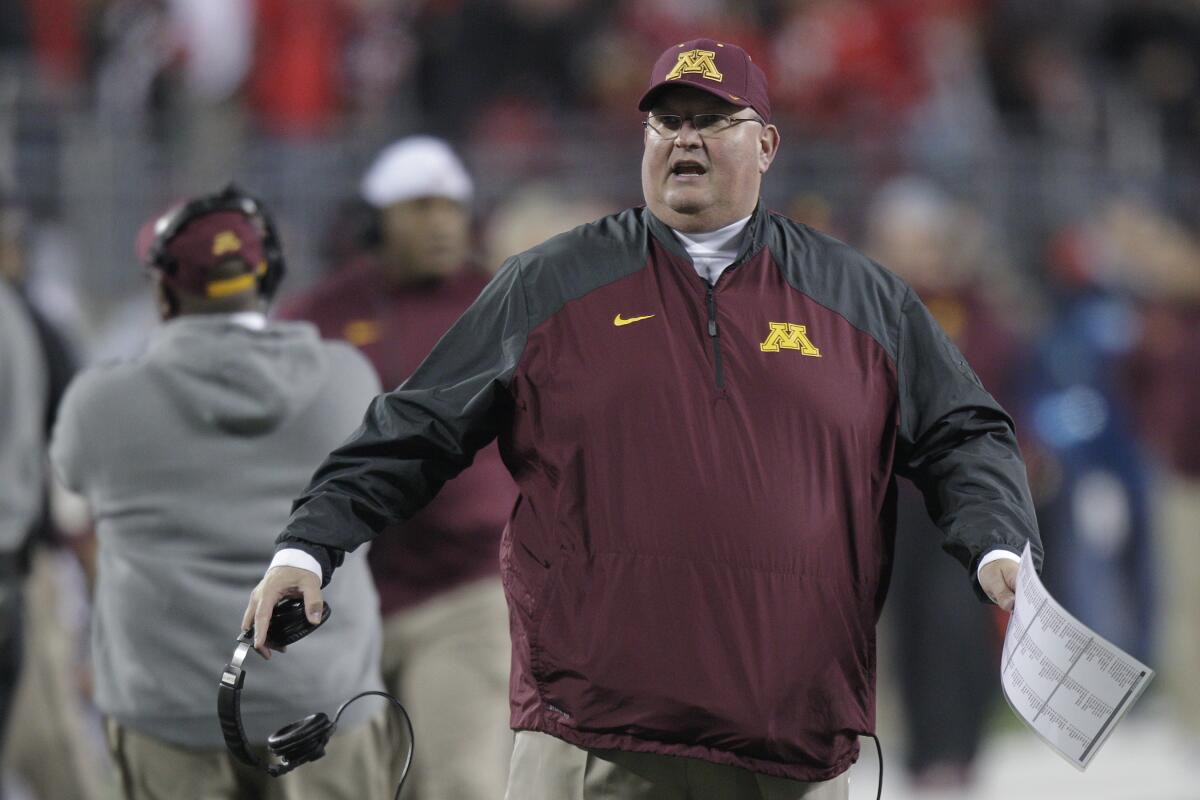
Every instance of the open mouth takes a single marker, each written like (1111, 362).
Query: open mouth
(688, 168)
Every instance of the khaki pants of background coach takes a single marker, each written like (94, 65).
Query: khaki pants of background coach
(447, 660)
(354, 767)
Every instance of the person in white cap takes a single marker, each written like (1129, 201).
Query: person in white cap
(446, 647)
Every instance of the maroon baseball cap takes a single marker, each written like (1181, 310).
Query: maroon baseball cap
(721, 69)
(202, 245)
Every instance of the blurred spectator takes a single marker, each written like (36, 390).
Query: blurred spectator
(58, 354)
(216, 44)
(845, 65)
(918, 231)
(1161, 261)
(1093, 499)
(42, 258)
(531, 215)
(216, 39)
(1151, 52)
(297, 83)
(23, 387)
(50, 30)
(48, 708)
(14, 30)
(136, 59)
(495, 68)
(955, 121)
(40, 59)
(816, 211)
(610, 72)
(446, 647)
(1039, 73)
(380, 59)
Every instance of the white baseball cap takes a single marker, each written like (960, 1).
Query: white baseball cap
(417, 166)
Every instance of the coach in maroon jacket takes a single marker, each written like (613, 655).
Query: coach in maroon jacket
(704, 406)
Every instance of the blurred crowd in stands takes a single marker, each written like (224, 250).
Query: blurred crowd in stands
(1031, 168)
(1032, 111)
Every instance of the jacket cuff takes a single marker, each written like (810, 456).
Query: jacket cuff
(295, 557)
(305, 555)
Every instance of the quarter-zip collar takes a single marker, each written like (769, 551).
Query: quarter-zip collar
(752, 241)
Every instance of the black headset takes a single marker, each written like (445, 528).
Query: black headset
(299, 742)
(231, 198)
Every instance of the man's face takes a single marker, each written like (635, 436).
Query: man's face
(426, 237)
(700, 183)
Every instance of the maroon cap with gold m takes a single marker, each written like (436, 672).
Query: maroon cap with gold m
(203, 244)
(721, 69)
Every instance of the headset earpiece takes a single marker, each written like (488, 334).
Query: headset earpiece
(302, 741)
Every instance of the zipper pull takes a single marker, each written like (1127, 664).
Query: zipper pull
(712, 327)
(712, 312)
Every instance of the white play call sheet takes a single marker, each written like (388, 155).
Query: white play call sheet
(1069, 684)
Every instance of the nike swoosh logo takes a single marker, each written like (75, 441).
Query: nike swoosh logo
(618, 320)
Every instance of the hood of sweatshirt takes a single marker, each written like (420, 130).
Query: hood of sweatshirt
(244, 381)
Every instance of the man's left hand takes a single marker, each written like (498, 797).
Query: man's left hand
(999, 582)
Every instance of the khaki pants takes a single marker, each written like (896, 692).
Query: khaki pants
(49, 715)
(1178, 543)
(354, 767)
(546, 768)
(447, 661)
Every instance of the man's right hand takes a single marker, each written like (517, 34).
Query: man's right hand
(278, 583)
(999, 581)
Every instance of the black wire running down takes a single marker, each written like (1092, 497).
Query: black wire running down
(879, 750)
(407, 724)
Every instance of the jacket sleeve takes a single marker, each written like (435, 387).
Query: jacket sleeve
(958, 446)
(415, 438)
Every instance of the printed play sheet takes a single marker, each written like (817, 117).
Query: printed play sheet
(1069, 684)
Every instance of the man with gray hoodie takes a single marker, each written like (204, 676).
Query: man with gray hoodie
(188, 458)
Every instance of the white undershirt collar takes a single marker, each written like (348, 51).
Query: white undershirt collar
(713, 251)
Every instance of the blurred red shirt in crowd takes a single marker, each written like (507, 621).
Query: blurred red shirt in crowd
(297, 84)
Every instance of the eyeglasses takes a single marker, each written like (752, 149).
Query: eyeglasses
(668, 126)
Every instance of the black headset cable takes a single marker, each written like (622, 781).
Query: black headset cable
(407, 724)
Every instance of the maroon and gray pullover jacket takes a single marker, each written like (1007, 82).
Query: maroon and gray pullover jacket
(701, 545)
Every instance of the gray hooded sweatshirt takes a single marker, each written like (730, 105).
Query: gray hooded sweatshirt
(189, 458)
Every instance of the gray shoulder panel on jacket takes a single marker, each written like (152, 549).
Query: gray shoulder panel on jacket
(568, 266)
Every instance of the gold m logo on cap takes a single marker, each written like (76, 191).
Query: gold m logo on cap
(786, 336)
(226, 242)
(696, 61)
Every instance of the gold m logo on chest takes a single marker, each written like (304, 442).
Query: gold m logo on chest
(786, 336)
(700, 61)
